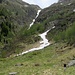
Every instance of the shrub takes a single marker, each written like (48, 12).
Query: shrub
(66, 35)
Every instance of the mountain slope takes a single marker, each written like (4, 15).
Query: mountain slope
(15, 15)
(60, 15)
(57, 12)
(56, 59)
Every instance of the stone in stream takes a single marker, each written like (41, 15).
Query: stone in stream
(12, 73)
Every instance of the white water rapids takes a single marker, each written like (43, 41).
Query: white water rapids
(35, 18)
(44, 43)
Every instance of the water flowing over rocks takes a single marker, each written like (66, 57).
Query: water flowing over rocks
(43, 43)
(35, 18)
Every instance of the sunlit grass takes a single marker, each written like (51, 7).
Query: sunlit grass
(43, 62)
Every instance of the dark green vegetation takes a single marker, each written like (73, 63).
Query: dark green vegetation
(15, 15)
(67, 36)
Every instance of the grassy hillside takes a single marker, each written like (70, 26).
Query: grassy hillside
(59, 15)
(49, 61)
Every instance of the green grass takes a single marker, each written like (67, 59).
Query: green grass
(48, 61)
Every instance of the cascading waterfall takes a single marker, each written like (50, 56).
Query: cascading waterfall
(34, 19)
(43, 43)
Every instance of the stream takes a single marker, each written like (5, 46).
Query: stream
(44, 43)
(34, 19)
